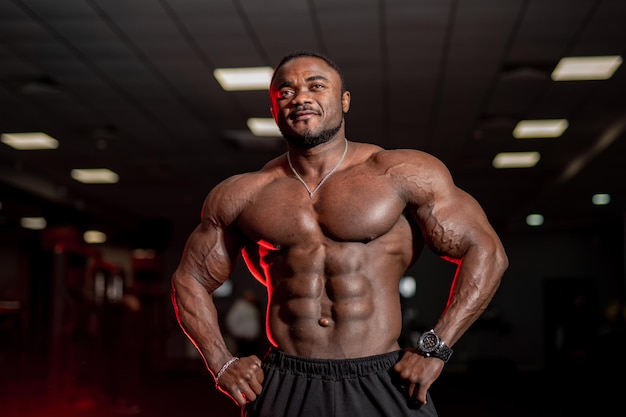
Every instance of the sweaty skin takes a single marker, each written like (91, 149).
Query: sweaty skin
(332, 261)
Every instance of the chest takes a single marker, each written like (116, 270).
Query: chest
(349, 208)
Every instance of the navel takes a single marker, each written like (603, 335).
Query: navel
(324, 322)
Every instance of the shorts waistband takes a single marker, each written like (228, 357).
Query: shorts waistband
(331, 368)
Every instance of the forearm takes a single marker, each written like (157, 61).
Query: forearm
(198, 318)
(476, 281)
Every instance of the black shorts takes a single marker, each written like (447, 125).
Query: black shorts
(363, 387)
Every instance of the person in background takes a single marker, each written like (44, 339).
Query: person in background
(330, 227)
(244, 323)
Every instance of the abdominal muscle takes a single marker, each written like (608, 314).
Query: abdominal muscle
(341, 301)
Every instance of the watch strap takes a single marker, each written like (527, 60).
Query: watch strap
(444, 352)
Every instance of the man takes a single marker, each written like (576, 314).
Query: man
(330, 227)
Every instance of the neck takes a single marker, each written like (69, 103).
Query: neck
(322, 155)
(316, 160)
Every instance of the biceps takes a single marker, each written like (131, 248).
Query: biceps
(452, 223)
(209, 256)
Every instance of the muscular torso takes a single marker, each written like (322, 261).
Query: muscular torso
(331, 263)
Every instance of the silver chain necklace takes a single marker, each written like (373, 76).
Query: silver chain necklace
(311, 192)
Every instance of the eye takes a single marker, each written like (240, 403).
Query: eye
(284, 93)
(317, 86)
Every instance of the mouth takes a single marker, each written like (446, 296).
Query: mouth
(303, 114)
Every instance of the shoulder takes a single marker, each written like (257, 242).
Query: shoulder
(231, 196)
(417, 175)
(402, 163)
(398, 160)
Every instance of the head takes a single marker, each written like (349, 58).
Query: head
(308, 98)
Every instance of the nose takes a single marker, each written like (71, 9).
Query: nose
(301, 97)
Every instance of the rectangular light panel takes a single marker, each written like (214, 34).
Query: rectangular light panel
(586, 68)
(33, 223)
(547, 128)
(95, 176)
(263, 126)
(516, 159)
(29, 141)
(239, 79)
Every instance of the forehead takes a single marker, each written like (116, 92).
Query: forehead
(302, 69)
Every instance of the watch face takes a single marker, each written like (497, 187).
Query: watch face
(429, 341)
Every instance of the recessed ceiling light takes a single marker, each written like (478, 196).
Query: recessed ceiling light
(33, 223)
(516, 159)
(407, 286)
(94, 236)
(601, 199)
(95, 176)
(237, 79)
(586, 68)
(534, 220)
(548, 128)
(260, 126)
(29, 141)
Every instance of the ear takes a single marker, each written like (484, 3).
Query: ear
(273, 113)
(345, 101)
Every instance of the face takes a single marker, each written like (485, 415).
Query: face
(307, 103)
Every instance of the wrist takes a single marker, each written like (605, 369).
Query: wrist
(224, 368)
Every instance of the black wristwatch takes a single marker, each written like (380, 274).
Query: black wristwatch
(431, 345)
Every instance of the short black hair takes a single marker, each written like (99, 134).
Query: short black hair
(308, 53)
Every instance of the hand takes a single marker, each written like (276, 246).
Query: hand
(417, 373)
(242, 380)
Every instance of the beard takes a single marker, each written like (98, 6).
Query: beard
(309, 140)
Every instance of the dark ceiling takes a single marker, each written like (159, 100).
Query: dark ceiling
(128, 85)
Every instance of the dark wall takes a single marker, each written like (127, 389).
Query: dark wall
(524, 324)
